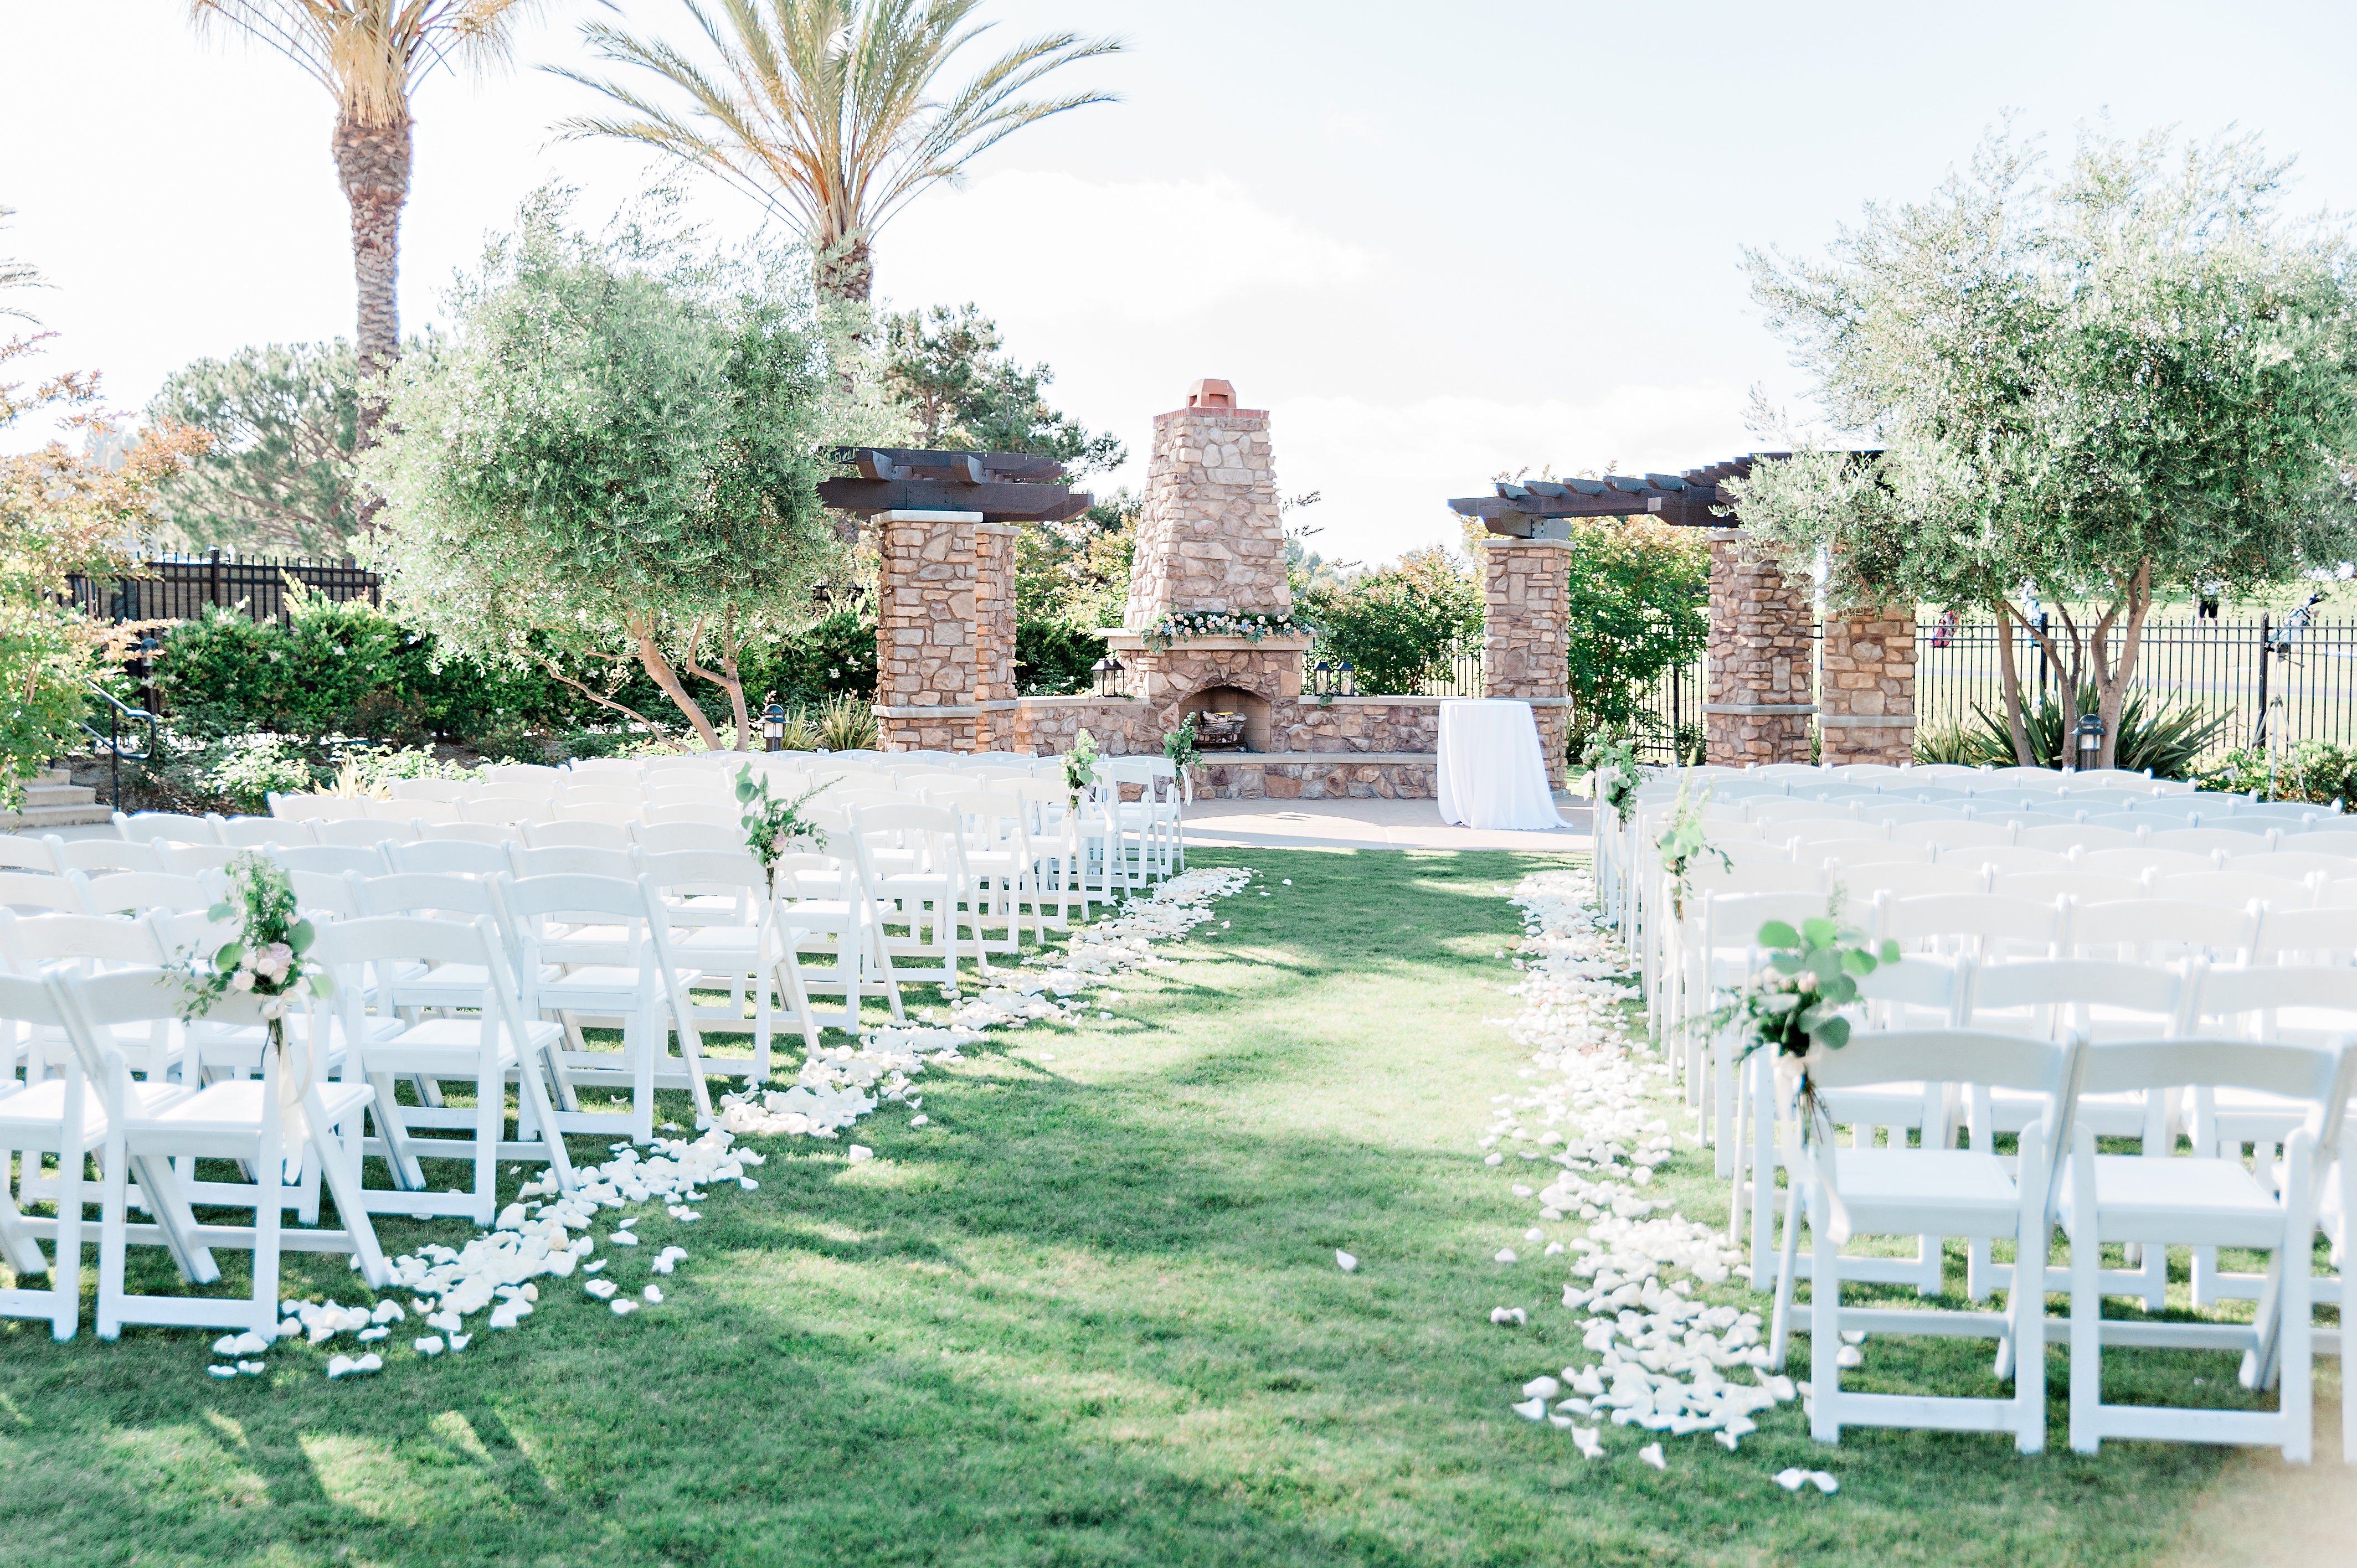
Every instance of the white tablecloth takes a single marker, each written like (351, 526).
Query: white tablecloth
(1492, 775)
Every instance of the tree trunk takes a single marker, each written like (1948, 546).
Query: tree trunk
(2112, 691)
(650, 654)
(373, 162)
(2010, 675)
(845, 269)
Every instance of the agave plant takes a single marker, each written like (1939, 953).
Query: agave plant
(2169, 741)
(846, 723)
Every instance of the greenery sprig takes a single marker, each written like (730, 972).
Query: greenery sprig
(1795, 1002)
(1179, 746)
(1080, 765)
(1613, 776)
(771, 824)
(1682, 843)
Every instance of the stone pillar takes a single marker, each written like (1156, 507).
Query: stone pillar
(1865, 687)
(1210, 538)
(1758, 706)
(1526, 636)
(994, 627)
(925, 630)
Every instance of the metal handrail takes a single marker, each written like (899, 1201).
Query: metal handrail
(111, 741)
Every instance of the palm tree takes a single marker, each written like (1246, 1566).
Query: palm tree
(372, 54)
(822, 110)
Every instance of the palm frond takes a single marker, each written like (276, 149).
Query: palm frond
(372, 53)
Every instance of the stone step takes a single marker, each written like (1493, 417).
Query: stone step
(33, 818)
(59, 795)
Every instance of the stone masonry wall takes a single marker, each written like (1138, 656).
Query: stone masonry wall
(1865, 687)
(925, 631)
(1758, 707)
(993, 643)
(1526, 640)
(1210, 538)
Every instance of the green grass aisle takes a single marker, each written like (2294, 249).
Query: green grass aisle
(1088, 1316)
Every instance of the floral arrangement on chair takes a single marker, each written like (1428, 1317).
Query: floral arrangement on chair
(769, 824)
(1180, 745)
(264, 958)
(1080, 765)
(1251, 626)
(1613, 776)
(1796, 1002)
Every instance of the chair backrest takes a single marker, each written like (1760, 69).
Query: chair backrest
(443, 789)
(570, 860)
(2291, 865)
(334, 859)
(688, 837)
(2213, 1061)
(603, 786)
(1953, 774)
(29, 943)
(2321, 936)
(252, 832)
(319, 893)
(2024, 821)
(140, 891)
(504, 809)
(1980, 1056)
(1859, 851)
(1985, 923)
(2235, 888)
(523, 773)
(1927, 982)
(2045, 886)
(1733, 919)
(2199, 841)
(2320, 840)
(2005, 859)
(1866, 882)
(577, 835)
(619, 813)
(2156, 929)
(497, 834)
(193, 859)
(2019, 778)
(2110, 778)
(1847, 830)
(2137, 862)
(698, 869)
(362, 831)
(391, 943)
(2140, 821)
(423, 893)
(104, 854)
(2077, 835)
(1952, 833)
(2246, 999)
(166, 827)
(416, 813)
(19, 853)
(30, 890)
(586, 767)
(1785, 809)
(710, 813)
(2079, 983)
(448, 857)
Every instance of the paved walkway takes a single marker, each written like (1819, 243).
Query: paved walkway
(1366, 824)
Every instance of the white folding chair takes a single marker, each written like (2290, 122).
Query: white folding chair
(255, 833)
(1853, 1192)
(56, 1115)
(19, 853)
(366, 832)
(819, 910)
(165, 827)
(2144, 861)
(577, 834)
(2156, 1202)
(1952, 833)
(30, 890)
(136, 892)
(695, 837)
(911, 866)
(448, 857)
(104, 854)
(335, 860)
(624, 970)
(481, 1049)
(723, 923)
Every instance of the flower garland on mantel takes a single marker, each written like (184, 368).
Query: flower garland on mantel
(1186, 624)
(1664, 1362)
(547, 1233)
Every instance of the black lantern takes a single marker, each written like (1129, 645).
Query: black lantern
(1321, 679)
(773, 725)
(822, 596)
(1348, 679)
(2091, 741)
(1108, 672)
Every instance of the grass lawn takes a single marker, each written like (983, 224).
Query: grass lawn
(1090, 1315)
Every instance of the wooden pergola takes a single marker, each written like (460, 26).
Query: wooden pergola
(1004, 486)
(1540, 508)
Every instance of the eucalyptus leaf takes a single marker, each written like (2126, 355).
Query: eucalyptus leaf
(1778, 934)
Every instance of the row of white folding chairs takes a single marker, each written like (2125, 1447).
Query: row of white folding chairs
(2063, 1084)
(1942, 774)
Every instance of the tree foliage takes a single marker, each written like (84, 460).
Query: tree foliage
(948, 370)
(829, 112)
(63, 513)
(279, 476)
(1637, 605)
(611, 459)
(2111, 384)
(1399, 626)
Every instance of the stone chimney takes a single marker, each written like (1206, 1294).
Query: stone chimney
(1210, 538)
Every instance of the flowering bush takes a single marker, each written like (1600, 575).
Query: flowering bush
(1613, 776)
(1252, 627)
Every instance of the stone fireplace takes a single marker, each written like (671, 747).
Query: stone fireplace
(1232, 699)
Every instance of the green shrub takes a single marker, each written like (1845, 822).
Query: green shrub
(1951, 743)
(2310, 770)
(2169, 741)
(1055, 658)
(245, 775)
(847, 724)
(1398, 628)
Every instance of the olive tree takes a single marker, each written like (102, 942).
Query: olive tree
(611, 457)
(2106, 385)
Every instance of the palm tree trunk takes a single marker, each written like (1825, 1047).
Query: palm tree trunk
(845, 269)
(372, 161)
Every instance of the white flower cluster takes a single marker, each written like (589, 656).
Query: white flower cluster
(1178, 627)
(1667, 1363)
(535, 1238)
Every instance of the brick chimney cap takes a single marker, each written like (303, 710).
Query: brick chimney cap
(1208, 393)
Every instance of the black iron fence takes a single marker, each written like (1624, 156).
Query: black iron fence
(180, 587)
(2302, 677)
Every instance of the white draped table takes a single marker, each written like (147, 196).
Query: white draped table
(1492, 775)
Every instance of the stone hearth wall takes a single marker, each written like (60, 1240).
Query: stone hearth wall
(1758, 707)
(1319, 779)
(1526, 639)
(1865, 688)
(1211, 538)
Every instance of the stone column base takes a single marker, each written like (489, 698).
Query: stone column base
(1737, 739)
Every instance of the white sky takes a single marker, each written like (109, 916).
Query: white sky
(1437, 242)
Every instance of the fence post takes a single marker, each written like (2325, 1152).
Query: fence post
(214, 575)
(2266, 637)
(2041, 651)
